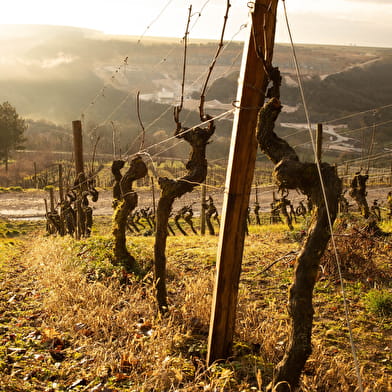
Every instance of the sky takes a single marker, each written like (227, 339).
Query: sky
(340, 22)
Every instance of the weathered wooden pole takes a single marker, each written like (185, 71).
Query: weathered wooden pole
(253, 82)
(202, 210)
(154, 209)
(319, 142)
(371, 146)
(35, 176)
(61, 183)
(390, 177)
(78, 146)
(79, 169)
(51, 198)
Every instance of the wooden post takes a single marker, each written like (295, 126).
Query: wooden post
(256, 193)
(61, 184)
(319, 142)
(35, 176)
(390, 177)
(371, 146)
(202, 210)
(78, 146)
(153, 199)
(253, 82)
(79, 169)
(46, 207)
(51, 198)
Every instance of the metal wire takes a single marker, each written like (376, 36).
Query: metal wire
(346, 310)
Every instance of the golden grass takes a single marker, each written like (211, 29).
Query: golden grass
(115, 336)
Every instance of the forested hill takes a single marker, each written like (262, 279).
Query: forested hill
(53, 75)
(352, 90)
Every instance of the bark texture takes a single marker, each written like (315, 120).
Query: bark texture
(125, 200)
(290, 173)
(170, 190)
(358, 193)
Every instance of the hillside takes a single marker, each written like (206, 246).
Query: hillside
(54, 75)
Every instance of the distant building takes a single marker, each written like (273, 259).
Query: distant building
(165, 96)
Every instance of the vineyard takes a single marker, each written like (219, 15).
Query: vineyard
(215, 239)
(70, 320)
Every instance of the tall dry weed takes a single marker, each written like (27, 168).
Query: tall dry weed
(117, 336)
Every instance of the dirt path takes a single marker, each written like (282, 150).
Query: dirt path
(30, 204)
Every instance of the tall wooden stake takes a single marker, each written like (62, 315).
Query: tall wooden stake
(61, 183)
(250, 97)
(319, 141)
(35, 176)
(154, 209)
(51, 198)
(390, 178)
(79, 169)
(202, 210)
(78, 146)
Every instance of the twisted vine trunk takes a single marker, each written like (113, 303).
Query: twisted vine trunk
(172, 189)
(125, 200)
(290, 173)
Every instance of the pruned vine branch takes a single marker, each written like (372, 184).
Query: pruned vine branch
(140, 121)
(212, 65)
(178, 109)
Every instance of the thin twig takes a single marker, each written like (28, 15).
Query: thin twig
(177, 109)
(212, 65)
(140, 121)
(113, 139)
(94, 153)
(291, 253)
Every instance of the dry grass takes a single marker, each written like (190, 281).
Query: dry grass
(110, 335)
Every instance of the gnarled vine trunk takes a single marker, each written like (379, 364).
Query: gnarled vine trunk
(172, 189)
(125, 200)
(290, 173)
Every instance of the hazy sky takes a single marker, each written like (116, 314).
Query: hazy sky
(345, 22)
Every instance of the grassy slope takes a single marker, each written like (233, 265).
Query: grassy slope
(68, 321)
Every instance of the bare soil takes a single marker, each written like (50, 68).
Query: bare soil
(30, 204)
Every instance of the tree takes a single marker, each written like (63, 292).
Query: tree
(12, 128)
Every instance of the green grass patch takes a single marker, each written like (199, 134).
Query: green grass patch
(11, 189)
(379, 302)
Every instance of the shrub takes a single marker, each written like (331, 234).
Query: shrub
(379, 302)
(15, 189)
